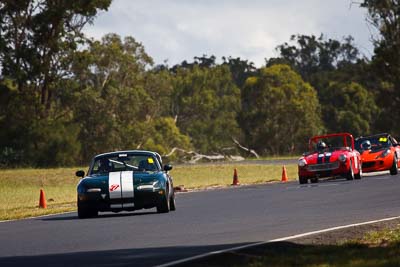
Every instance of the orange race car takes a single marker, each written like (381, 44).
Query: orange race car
(379, 152)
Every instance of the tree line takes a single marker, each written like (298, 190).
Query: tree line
(65, 97)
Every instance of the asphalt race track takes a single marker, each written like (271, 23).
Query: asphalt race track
(204, 221)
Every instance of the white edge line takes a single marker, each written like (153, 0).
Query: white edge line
(273, 240)
(36, 217)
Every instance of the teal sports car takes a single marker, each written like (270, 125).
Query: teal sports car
(125, 181)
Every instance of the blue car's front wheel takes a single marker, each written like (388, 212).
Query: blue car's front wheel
(172, 205)
(84, 211)
(163, 205)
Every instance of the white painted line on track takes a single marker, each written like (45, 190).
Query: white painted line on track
(36, 217)
(274, 240)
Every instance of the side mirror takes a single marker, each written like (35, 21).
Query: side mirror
(80, 173)
(167, 167)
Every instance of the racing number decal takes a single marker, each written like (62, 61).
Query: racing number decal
(114, 181)
(114, 187)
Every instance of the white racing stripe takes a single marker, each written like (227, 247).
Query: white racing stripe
(273, 240)
(127, 184)
(120, 186)
(114, 185)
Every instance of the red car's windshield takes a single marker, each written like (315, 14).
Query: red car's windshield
(330, 143)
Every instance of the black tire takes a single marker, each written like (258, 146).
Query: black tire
(164, 204)
(350, 174)
(303, 180)
(172, 204)
(395, 169)
(314, 180)
(358, 176)
(86, 212)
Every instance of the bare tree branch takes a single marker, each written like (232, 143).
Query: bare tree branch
(195, 157)
(251, 151)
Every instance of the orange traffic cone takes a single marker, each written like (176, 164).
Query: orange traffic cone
(235, 178)
(42, 200)
(284, 175)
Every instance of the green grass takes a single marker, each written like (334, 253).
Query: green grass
(198, 176)
(20, 188)
(280, 157)
(20, 191)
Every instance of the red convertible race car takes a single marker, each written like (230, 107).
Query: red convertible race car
(330, 155)
(379, 152)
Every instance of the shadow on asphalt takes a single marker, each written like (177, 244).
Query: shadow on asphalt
(101, 215)
(371, 176)
(119, 257)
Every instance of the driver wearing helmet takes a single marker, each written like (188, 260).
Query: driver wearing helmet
(104, 165)
(321, 146)
(366, 145)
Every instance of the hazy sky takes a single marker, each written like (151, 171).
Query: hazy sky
(177, 30)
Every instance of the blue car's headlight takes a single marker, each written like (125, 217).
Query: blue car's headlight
(154, 186)
(157, 184)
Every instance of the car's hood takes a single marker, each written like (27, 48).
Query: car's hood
(372, 154)
(319, 158)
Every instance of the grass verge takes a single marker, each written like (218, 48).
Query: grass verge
(377, 248)
(19, 188)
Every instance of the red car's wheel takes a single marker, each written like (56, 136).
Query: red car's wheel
(358, 176)
(302, 180)
(394, 170)
(350, 174)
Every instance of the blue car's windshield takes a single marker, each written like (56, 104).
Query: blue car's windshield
(123, 162)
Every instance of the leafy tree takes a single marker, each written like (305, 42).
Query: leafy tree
(203, 61)
(310, 55)
(165, 135)
(279, 111)
(205, 103)
(328, 65)
(112, 106)
(348, 107)
(37, 41)
(37, 38)
(121, 105)
(384, 15)
(240, 69)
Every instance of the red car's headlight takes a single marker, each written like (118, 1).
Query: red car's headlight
(302, 162)
(385, 153)
(342, 157)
